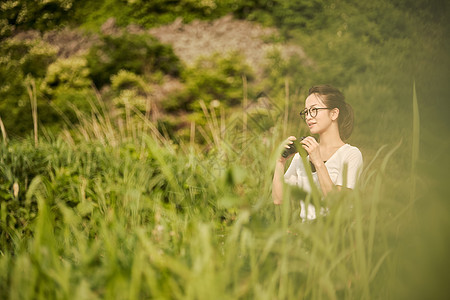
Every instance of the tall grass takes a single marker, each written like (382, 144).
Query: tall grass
(114, 212)
(31, 88)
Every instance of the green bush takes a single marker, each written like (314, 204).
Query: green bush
(19, 164)
(128, 80)
(278, 68)
(131, 94)
(41, 15)
(218, 77)
(140, 54)
(67, 87)
(71, 72)
(20, 62)
(30, 57)
(153, 13)
(61, 86)
(285, 14)
(129, 100)
(6, 29)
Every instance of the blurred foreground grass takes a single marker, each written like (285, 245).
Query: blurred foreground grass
(110, 211)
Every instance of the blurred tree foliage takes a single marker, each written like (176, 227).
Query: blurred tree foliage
(132, 52)
(40, 15)
(46, 15)
(20, 62)
(132, 92)
(151, 13)
(285, 14)
(214, 81)
(67, 87)
(372, 50)
(91, 14)
(217, 77)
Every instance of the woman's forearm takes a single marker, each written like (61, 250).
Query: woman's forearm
(277, 183)
(326, 184)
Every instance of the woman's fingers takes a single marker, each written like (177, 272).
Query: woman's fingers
(289, 141)
(309, 144)
(305, 142)
(309, 141)
(306, 145)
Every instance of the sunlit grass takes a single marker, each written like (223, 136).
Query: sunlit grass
(111, 212)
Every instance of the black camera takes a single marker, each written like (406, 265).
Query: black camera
(293, 148)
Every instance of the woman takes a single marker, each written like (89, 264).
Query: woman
(327, 114)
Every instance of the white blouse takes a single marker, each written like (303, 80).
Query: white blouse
(345, 155)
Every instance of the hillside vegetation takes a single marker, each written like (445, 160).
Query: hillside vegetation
(138, 141)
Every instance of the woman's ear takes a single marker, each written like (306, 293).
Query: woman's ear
(334, 113)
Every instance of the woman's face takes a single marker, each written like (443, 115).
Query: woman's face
(324, 118)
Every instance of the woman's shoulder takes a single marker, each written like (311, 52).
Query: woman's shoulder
(350, 148)
(351, 151)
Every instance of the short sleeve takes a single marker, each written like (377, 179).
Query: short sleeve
(290, 177)
(354, 162)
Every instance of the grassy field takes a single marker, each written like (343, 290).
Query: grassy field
(110, 211)
(108, 206)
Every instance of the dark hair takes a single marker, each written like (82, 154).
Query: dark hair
(333, 98)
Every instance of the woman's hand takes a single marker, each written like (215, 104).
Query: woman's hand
(277, 183)
(312, 147)
(289, 141)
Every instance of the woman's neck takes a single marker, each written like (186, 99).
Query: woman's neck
(331, 139)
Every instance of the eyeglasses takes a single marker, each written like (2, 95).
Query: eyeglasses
(312, 111)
